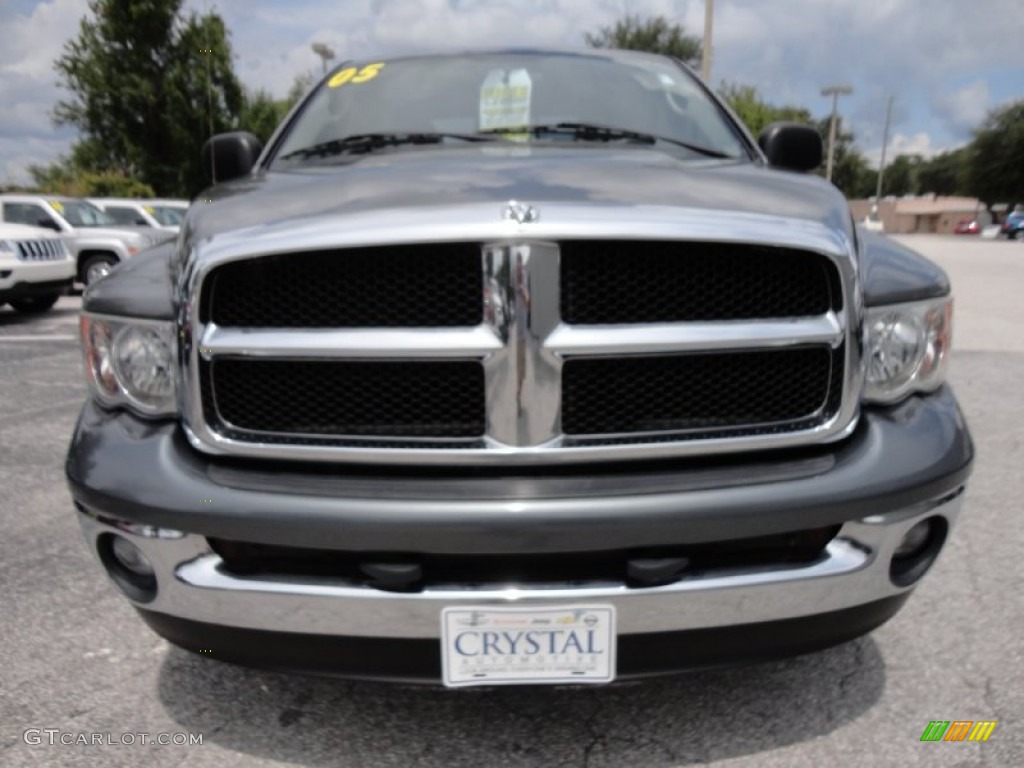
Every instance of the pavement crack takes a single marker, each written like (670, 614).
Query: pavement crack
(596, 737)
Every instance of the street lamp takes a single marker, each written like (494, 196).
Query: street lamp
(705, 59)
(325, 54)
(835, 91)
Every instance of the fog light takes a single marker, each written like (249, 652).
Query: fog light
(914, 540)
(131, 558)
(917, 551)
(127, 566)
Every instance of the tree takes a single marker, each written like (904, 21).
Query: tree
(850, 169)
(65, 177)
(261, 112)
(756, 113)
(903, 176)
(655, 35)
(995, 158)
(944, 174)
(149, 84)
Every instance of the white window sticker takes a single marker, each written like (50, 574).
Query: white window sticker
(505, 100)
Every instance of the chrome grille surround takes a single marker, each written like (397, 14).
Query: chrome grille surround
(522, 341)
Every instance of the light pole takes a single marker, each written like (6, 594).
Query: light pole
(705, 59)
(885, 141)
(835, 91)
(325, 54)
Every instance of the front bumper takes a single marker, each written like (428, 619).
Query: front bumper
(142, 481)
(21, 279)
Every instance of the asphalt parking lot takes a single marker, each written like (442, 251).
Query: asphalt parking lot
(76, 658)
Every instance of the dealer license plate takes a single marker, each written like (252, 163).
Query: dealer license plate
(487, 645)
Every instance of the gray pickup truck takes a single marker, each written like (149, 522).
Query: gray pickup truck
(96, 242)
(517, 367)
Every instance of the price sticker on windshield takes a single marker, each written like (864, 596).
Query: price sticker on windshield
(57, 205)
(505, 102)
(355, 75)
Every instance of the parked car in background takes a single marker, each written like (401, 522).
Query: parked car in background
(1013, 226)
(36, 268)
(158, 214)
(967, 227)
(96, 242)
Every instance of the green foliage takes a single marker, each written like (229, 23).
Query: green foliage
(995, 158)
(903, 176)
(757, 113)
(261, 113)
(65, 177)
(944, 174)
(655, 35)
(148, 85)
(850, 169)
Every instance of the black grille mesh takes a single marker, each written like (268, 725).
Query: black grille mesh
(651, 282)
(379, 399)
(396, 286)
(699, 393)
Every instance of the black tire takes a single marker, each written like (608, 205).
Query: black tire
(33, 305)
(95, 267)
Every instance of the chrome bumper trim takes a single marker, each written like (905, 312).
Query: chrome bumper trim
(192, 585)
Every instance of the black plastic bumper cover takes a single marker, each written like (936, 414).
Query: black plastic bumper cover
(144, 472)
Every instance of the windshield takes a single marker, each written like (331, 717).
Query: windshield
(523, 97)
(79, 213)
(167, 215)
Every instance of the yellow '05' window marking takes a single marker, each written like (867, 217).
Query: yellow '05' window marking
(355, 75)
(57, 206)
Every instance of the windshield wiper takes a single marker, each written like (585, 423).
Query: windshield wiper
(369, 142)
(594, 132)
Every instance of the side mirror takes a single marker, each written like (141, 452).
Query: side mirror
(792, 146)
(229, 156)
(47, 223)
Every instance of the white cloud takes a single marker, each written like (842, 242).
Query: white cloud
(966, 107)
(920, 143)
(934, 57)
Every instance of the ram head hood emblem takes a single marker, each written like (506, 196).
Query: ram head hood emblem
(519, 212)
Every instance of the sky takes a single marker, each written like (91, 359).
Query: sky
(946, 63)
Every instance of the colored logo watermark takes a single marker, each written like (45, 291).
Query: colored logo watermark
(958, 730)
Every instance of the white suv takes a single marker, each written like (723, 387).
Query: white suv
(97, 243)
(36, 268)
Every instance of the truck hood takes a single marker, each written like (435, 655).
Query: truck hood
(446, 177)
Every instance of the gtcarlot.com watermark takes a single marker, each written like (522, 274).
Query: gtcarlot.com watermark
(54, 736)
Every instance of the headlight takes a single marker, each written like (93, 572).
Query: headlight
(908, 348)
(131, 363)
(6, 246)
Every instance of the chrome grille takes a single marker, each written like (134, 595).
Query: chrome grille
(49, 249)
(518, 382)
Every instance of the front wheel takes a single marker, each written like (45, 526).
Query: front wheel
(96, 267)
(32, 305)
